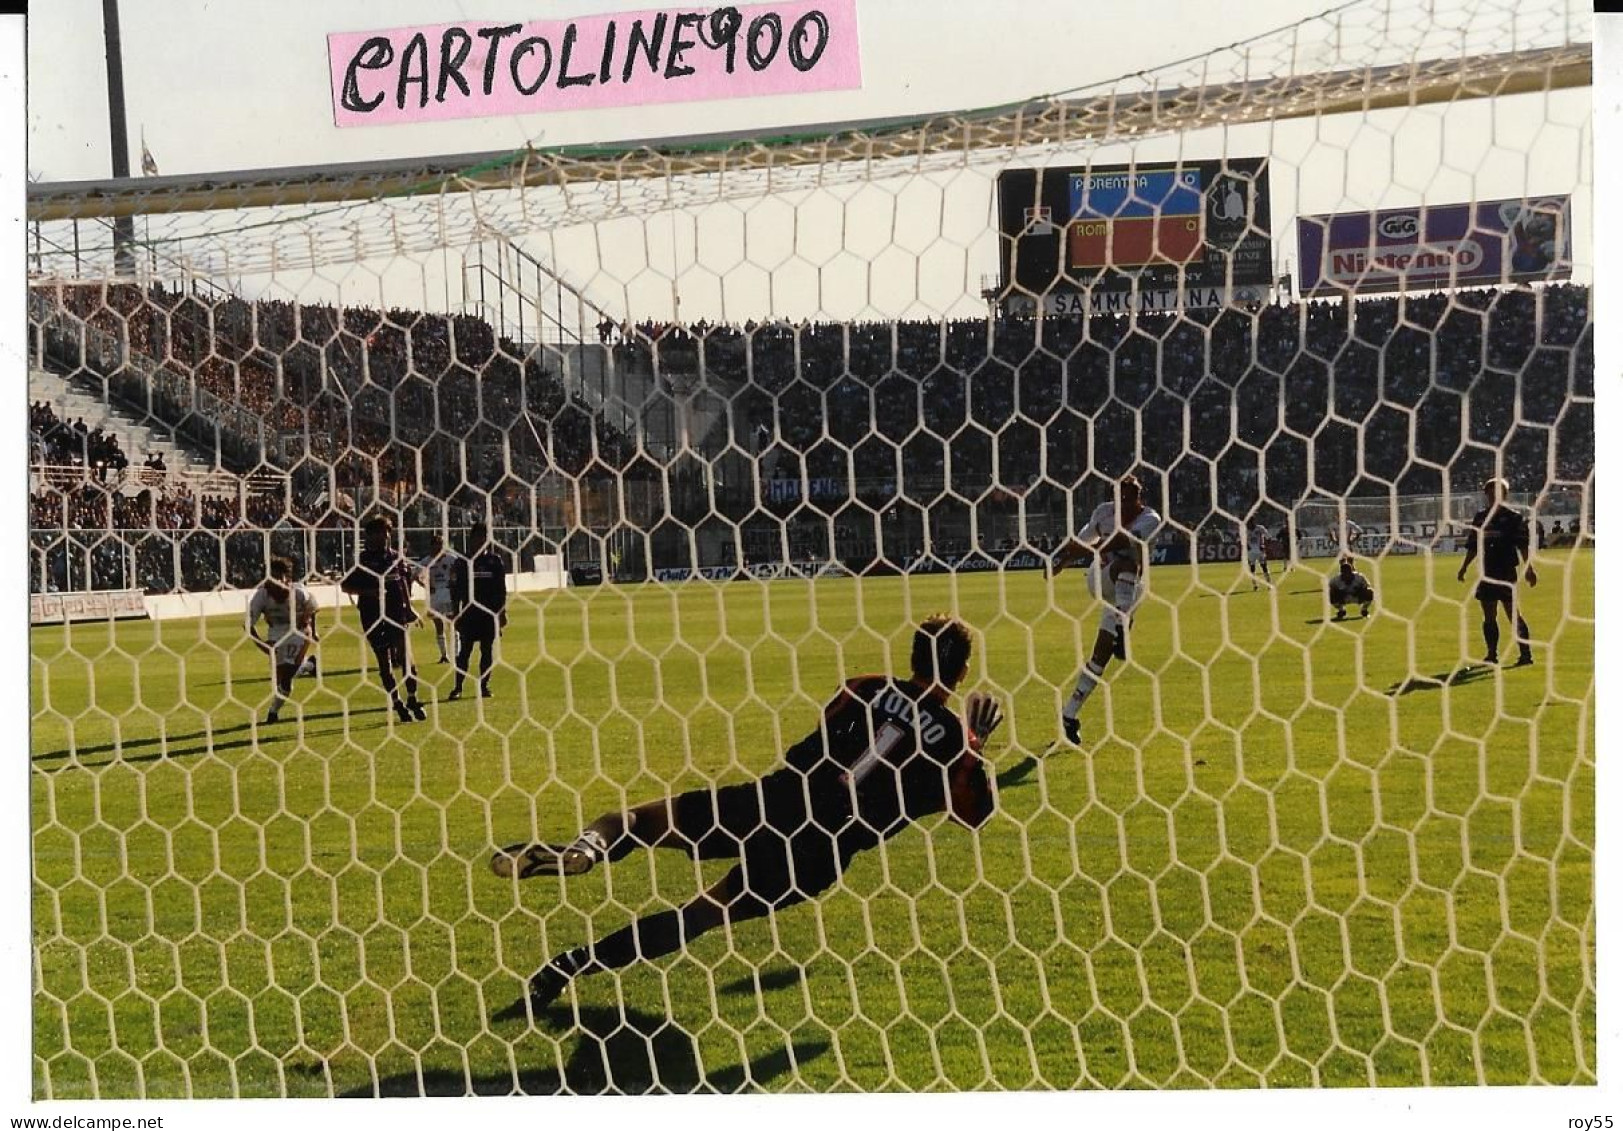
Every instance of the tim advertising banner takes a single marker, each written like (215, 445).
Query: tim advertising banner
(1441, 245)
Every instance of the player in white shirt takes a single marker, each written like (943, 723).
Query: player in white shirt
(1256, 554)
(1349, 586)
(289, 612)
(437, 571)
(1115, 538)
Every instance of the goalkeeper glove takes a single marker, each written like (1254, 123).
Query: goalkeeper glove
(983, 714)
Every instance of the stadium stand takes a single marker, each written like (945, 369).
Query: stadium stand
(870, 444)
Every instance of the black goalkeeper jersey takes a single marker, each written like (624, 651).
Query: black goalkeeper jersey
(381, 584)
(1501, 536)
(879, 760)
(479, 586)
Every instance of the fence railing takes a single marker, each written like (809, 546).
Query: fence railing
(133, 480)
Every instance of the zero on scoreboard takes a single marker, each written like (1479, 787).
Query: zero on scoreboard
(1130, 219)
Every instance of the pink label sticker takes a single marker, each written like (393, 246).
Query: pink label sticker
(474, 69)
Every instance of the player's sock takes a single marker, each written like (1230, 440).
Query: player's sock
(607, 839)
(553, 978)
(1524, 641)
(648, 938)
(599, 839)
(1490, 636)
(1085, 683)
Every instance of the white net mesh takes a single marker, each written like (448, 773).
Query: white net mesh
(764, 406)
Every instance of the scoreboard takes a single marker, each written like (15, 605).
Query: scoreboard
(1135, 237)
(1128, 220)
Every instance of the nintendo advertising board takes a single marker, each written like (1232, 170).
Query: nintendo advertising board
(1115, 238)
(1486, 243)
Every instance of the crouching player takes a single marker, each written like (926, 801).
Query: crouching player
(289, 612)
(1350, 587)
(1116, 535)
(888, 752)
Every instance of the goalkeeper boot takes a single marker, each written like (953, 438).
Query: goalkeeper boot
(1072, 728)
(1525, 659)
(546, 986)
(522, 861)
(403, 713)
(418, 711)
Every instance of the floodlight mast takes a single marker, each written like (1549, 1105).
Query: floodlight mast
(123, 226)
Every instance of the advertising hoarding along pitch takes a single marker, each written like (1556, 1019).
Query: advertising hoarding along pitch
(1440, 245)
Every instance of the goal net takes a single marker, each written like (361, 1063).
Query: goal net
(739, 415)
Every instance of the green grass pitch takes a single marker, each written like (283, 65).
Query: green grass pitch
(1293, 852)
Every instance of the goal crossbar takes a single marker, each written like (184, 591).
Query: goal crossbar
(1097, 117)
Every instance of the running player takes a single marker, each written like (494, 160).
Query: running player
(887, 753)
(289, 612)
(1116, 535)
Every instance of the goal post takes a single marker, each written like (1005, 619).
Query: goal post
(739, 413)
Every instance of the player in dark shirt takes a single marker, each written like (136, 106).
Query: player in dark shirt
(887, 752)
(479, 592)
(381, 586)
(1501, 535)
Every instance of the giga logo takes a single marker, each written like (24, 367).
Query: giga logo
(1399, 227)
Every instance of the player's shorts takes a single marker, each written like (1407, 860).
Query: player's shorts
(476, 624)
(285, 652)
(441, 604)
(1126, 593)
(783, 857)
(1255, 558)
(387, 637)
(1496, 589)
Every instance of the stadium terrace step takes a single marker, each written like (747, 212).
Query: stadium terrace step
(137, 439)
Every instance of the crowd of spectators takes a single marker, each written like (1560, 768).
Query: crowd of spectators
(857, 440)
(327, 381)
(62, 443)
(1233, 413)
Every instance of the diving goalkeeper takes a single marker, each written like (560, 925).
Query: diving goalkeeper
(887, 752)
